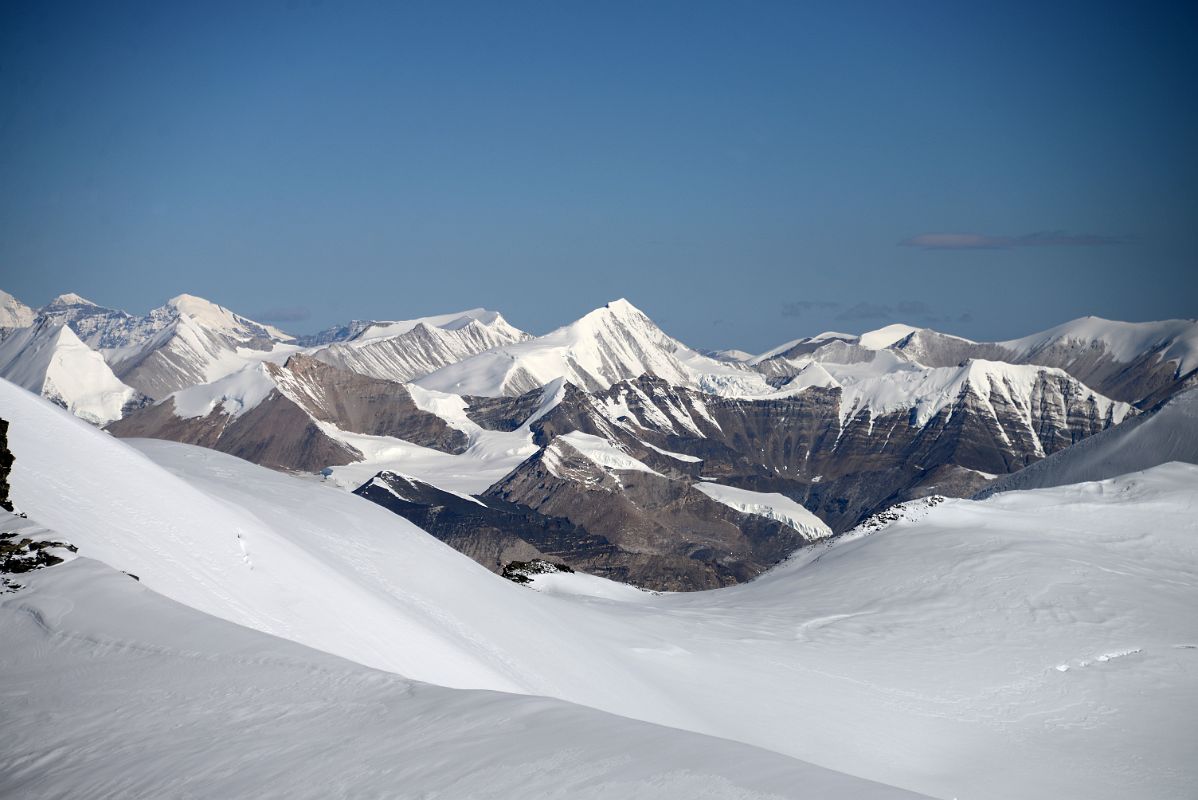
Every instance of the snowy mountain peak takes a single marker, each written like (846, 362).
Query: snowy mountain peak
(622, 306)
(47, 358)
(409, 349)
(885, 337)
(70, 299)
(450, 322)
(1175, 340)
(14, 313)
(217, 318)
(613, 343)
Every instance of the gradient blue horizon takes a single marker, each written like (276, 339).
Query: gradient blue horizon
(746, 173)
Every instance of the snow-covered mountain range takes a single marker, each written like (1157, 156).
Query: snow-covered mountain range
(712, 449)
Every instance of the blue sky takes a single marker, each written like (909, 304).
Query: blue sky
(744, 172)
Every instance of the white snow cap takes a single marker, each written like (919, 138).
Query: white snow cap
(14, 313)
(885, 337)
(71, 299)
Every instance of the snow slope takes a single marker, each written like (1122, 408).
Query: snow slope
(1176, 340)
(1034, 645)
(14, 313)
(928, 391)
(47, 358)
(767, 504)
(113, 691)
(608, 345)
(186, 342)
(404, 351)
(1168, 434)
(598, 450)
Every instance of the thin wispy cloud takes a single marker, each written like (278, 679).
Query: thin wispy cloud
(866, 311)
(917, 311)
(981, 241)
(903, 311)
(801, 307)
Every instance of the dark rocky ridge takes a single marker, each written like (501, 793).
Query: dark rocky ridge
(633, 527)
(491, 531)
(668, 535)
(6, 461)
(280, 432)
(1144, 381)
(797, 447)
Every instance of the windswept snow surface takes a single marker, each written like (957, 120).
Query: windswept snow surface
(113, 691)
(767, 504)
(1034, 645)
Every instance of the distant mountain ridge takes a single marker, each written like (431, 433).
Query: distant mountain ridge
(665, 466)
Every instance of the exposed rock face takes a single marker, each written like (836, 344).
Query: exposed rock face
(277, 433)
(630, 526)
(6, 460)
(668, 535)
(103, 328)
(842, 468)
(280, 430)
(1144, 380)
(1168, 433)
(491, 531)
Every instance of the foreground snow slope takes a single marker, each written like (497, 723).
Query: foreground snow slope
(1035, 645)
(113, 691)
(291, 557)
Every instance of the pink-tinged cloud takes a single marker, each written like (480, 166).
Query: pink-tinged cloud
(981, 241)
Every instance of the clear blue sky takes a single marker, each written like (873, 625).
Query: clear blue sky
(745, 172)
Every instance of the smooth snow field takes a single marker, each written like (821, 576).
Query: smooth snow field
(112, 690)
(1038, 644)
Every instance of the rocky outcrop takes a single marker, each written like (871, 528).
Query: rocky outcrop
(490, 530)
(6, 461)
(668, 535)
(627, 525)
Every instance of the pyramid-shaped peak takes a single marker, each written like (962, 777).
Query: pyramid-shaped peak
(70, 299)
(191, 303)
(623, 307)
